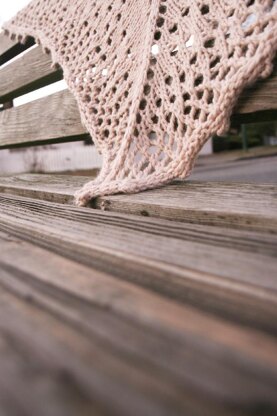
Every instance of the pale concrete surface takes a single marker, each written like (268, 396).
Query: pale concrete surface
(256, 169)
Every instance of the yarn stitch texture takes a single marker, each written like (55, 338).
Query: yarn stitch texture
(153, 79)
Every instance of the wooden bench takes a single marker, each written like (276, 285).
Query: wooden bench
(159, 303)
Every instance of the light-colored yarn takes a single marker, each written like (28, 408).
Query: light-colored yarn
(154, 79)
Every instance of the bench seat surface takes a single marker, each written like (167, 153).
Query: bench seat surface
(160, 303)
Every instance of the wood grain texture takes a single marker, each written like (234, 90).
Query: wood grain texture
(177, 360)
(259, 97)
(48, 120)
(60, 188)
(10, 48)
(33, 70)
(166, 257)
(78, 369)
(234, 205)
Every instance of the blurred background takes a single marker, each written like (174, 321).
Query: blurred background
(247, 153)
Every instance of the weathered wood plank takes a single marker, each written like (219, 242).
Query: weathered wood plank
(235, 205)
(206, 361)
(259, 97)
(48, 120)
(60, 188)
(46, 390)
(169, 261)
(33, 70)
(6, 43)
(10, 48)
(77, 368)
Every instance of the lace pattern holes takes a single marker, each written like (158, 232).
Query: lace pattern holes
(163, 95)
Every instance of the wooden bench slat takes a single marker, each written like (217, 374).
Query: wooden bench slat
(60, 188)
(75, 371)
(251, 241)
(235, 205)
(6, 43)
(94, 289)
(54, 391)
(216, 278)
(33, 70)
(10, 48)
(107, 311)
(71, 379)
(259, 97)
(51, 119)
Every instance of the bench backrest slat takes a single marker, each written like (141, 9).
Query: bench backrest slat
(50, 119)
(259, 97)
(31, 71)
(10, 48)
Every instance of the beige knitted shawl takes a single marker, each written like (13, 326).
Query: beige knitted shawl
(154, 79)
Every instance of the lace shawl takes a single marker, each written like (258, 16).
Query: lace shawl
(153, 79)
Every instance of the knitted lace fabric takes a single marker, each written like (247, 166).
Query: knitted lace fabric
(154, 79)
